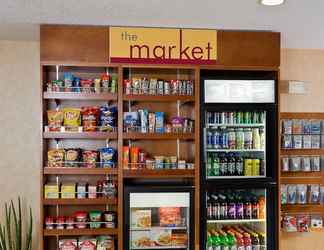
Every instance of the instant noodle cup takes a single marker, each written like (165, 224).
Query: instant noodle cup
(72, 119)
(55, 120)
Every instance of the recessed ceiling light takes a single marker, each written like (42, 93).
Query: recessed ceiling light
(272, 2)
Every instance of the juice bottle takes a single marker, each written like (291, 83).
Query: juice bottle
(223, 207)
(239, 207)
(255, 242)
(262, 207)
(231, 240)
(248, 167)
(239, 241)
(247, 209)
(210, 171)
(216, 241)
(255, 208)
(231, 167)
(223, 240)
(223, 166)
(210, 242)
(216, 166)
(247, 241)
(231, 207)
(262, 239)
(239, 166)
(262, 138)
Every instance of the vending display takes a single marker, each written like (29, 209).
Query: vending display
(160, 219)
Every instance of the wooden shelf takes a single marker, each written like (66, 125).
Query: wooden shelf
(292, 151)
(79, 96)
(158, 98)
(306, 208)
(159, 174)
(300, 174)
(159, 136)
(80, 171)
(76, 232)
(97, 201)
(78, 135)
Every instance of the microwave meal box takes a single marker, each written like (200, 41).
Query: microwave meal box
(141, 239)
(105, 243)
(161, 237)
(179, 238)
(51, 191)
(68, 191)
(68, 244)
(169, 216)
(141, 218)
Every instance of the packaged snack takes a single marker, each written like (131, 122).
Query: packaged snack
(297, 127)
(145, 84)
(95, 217)
(87, 243)
(113, 84)
(286, 141)
(134, 153)
(316, 222)
(55, 158)
(143, 113)
(297, 141)
(110, 219)
(70, 222)
(179, 238)
(109, 189)
(169, 216)
(153, 86)
(316, 127)
(174, 87)
(316, 163)
(316, 141)
(159, 122)
(108, 157)
(295, 164)
(291, 194)
(285, 164)
(159, 162)
(51, 191)
(167, 88)
(136, 85)
(322, 194)
(72, 157)
(86, 85)
(303, 223)
(290, 223)
(89, 158)
(301, 193)
(149, 164)
(307, 141)
(174, 160)
(60, 222)
(81, 218)
(68, 244)
(90, 116)
(92, 191)
(314, 194)
(108, 118)
(82, 190)
(161, 237)
(126, 157)
(55, 120)
(68, 191)
(49, 222)
(307, 127)
(131, 121)
(287, 127)
(306, 164)
(177, 124)
(105, 82)
(141, 218)
(77, 85)
(68, 81)
(72, 119)
(181, 164)
(151, 122)
(105, 243)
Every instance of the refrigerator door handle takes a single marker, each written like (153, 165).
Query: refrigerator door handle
(205, 144)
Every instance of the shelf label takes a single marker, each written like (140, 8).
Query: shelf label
(162, 45)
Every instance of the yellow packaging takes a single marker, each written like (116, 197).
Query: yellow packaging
(51, 191)
(72, 119)
(68, 191)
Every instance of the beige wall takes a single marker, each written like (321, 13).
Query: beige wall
(19, 124)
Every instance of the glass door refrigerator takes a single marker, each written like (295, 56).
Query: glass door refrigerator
(239, 160)
(159, 218)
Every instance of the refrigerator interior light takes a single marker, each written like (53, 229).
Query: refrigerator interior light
(272, 2)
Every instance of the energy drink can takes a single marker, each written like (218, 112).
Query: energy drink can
(210, 139)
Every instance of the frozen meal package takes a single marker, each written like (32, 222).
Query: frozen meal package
(285, 164)
(287, 127)
(316, 222)
(283, 193)
(316, 127)
(297, 141)
(316, 141)
(301, 193)
(179, 238)
(295, 164)
(297, 127)
(316, 163)
(169, 216)
(307, 141)
(161, 237)
(141, 218)
(292, 194)
(286, 141)
(289, 223)
(307, 127)
(314, 194)
(306, 164)
(303, 223)
(141, 239)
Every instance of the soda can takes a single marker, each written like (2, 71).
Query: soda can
(210, 117)
(216, 139)
(167, 88)
(224, 139)
(209, 139)
(255, 167)
(174, 87)
(222, 119)
(160, 87)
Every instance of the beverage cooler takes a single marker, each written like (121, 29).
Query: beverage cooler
(159, 218)
(239, 160)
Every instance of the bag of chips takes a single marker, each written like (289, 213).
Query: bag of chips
(107, 157)
(108, 117)
(72, 157)
(90, 117)
(55, 120)
(89, 158)
(72, 119)
(55, 158)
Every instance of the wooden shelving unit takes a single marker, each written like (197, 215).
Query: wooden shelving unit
(80, 135)
(157, 136)
(79, 96)
(159, 174)
(79, 171)
(80, 232)
(95, 201)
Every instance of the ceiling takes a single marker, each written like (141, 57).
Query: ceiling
(300, 21)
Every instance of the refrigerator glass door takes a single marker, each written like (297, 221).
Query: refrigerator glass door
(159, 220)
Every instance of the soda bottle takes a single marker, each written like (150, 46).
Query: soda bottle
(247, 241)
(255, 118)
(239, 208)
(239, 168)
(209, 208)
(231, 138)
(247, 209)
(255, 242)
(248, 138)
(216, 241)
(262, 138)
(231, 240)
(223, 207)
(216, 139)
(216, 166)
(262, 239)
(239, 241)
(210, 242)
(225, 139)
(231, 207)
(231, 165)
(210, 118)
(223, 240)
(256, 138)
(210, 170)
(255, 208)
(239, 138)
(223, 166)
(215, 207)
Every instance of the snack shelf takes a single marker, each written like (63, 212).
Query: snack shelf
(293, 151)
(77, 232)
(80, 135)
(234, 150)
(302, 208)
(79, 96)
(80, 171)
(161, 247)
(156, 228)
(159, 98)
(161, 173)
(159, 136)
(303, 180)
(252, 125)
(300, 174)
(85, 201)
(235, 221)
(234, 177)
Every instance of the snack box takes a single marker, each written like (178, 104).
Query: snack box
(105, 243)
(51, 191)
(159, 122)
(87, 243)
(68, 191)
(141, 218)
(68, 244)
(82, 190)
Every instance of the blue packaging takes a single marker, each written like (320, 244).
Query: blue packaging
(159, 122)
(108, 157)
(108, 118)
(77, 85)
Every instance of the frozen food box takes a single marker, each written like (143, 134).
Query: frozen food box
(141, 218)
(141, 239)
(169, 216)
(161, 237)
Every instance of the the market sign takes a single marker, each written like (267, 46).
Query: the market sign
(162, 45)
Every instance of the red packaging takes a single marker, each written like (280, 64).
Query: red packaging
(67, 244)
(169, 216)
(49, 222)
(87, 244)
(127, 86)
(60, 222)
(69, 222)
(303, 223)
(126, 157)
(86, 85)
(134, 153)
(90, 117)
(81, 219)
(89, 158)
